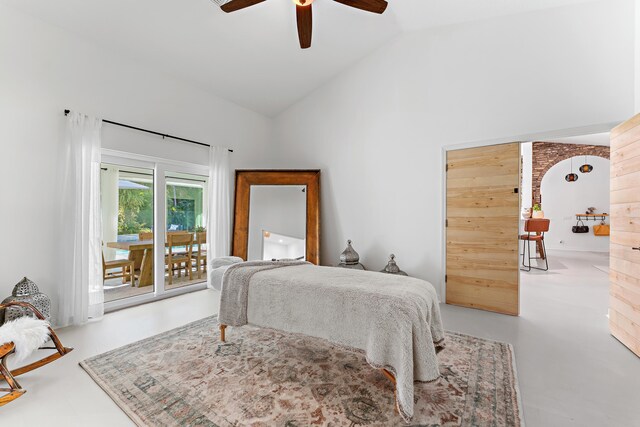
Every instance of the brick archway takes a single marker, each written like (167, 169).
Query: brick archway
(545, 155)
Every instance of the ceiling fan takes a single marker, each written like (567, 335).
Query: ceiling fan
(303, 13)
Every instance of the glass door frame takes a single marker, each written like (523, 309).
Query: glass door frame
(160, 169)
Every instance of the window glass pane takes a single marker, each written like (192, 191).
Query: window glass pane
(186, 253)
(127, 231)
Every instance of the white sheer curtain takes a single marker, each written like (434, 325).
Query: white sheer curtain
(219, 218)
(80, 291)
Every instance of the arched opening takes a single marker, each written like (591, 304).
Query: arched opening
(562, 200)
(544, 168)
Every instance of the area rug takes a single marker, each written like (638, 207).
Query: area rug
(262, 377)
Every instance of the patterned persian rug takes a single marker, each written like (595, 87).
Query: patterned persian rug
(262, 377)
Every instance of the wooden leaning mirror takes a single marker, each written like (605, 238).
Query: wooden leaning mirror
(277, 215)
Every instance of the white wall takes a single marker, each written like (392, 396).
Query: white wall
(296, 248)
(377, 130)
(526, 153)
(637, 58)
(289, 249)
(562, 200)
(45, 70)
(278, 209)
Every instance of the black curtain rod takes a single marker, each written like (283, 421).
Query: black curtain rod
(163, 135)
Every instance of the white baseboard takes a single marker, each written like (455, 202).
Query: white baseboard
(577, 249)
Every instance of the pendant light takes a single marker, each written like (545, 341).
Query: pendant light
(571, 177)
(586, 168)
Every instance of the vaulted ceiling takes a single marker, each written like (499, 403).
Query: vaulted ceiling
(252, 57)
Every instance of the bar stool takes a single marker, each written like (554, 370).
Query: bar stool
(535, 228)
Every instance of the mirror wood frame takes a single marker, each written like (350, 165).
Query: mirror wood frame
(246, 178)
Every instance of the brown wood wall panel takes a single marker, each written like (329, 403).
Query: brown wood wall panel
(625, 238)
(620, 303)
(627, 325)
(631, 269)
(628, 195)
(620, 130)
(624, 291)
(484, 181)
(625, 167)
(626, 224)
(482, 232)
(631, 210)
(625, 280)
(629, 152)
(488, 223)
(624, 138)
(479, 192)
(624, 253)
(623, 336)
(628, 181)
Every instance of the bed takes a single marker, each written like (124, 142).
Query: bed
(394, 320)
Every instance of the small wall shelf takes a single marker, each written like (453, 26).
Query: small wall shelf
(594, 217)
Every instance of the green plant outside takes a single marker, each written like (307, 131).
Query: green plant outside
(135, 209)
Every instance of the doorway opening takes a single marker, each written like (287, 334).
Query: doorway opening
(565, 182)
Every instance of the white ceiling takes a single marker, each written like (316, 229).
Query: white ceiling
(419, 14)
(252, 57)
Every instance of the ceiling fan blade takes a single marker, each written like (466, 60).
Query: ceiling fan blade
(375, 6)
(234, 5)
(303, 13)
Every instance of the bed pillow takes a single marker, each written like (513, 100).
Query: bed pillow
(215, 277)
(218, 267)
(224, 261)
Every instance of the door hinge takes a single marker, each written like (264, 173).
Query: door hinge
(445, 278)
(446, 222)
(446, 168)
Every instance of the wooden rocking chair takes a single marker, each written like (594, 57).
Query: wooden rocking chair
(15, 391)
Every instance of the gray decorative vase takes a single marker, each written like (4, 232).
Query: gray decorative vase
(26, 291)
(350, 258)
(392, 267)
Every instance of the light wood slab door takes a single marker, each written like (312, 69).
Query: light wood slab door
(482, 224)
(624, 291)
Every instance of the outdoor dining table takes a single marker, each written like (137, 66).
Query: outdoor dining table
(141, 253)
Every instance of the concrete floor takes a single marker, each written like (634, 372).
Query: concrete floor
(571, 371)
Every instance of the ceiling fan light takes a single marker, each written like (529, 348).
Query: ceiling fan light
(302, 2)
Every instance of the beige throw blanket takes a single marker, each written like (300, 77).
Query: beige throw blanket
(395, 320)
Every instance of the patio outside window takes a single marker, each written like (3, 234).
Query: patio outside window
(127, 221)
(185, 203)
(129, 238)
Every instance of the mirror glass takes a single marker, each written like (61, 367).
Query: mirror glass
(277, 222)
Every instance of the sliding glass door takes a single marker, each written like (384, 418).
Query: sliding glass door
(153, 229)
(186, 235)
(127, 231)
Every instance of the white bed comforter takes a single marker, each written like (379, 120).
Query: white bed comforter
(395, 320)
